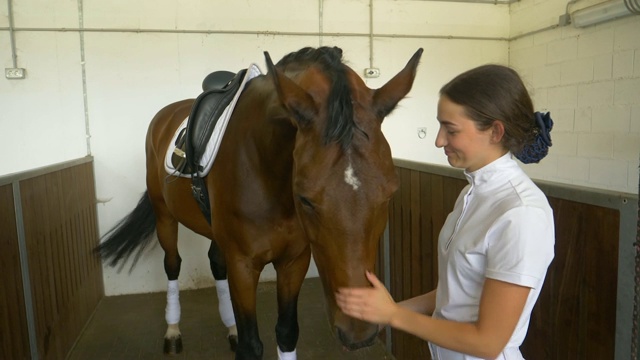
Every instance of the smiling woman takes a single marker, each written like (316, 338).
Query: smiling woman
(464, 144)
(496, 244)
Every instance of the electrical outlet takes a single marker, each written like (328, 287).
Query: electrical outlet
(371, 72)
(15, 73)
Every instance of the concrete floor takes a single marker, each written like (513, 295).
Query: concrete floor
(132, 327)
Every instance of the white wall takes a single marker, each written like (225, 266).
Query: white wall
(590, 81)
(129, 75)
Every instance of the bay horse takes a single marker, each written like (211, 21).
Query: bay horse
(303, 170)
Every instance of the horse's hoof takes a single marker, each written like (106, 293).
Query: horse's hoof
(233, 342)
(173, 346)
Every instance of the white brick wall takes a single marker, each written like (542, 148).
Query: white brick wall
(573, 168)
(567, 117)
(626, 147)
(634, 128)
(623, 64)
(596, 93)
(590, 81)
(576, 71)
(610, 119)
(603, 67)
(564, 143)
(596, 146)
(627, 91)
(582, 122)
(561, 97)
(562, 50)
(627, 36)
(608, 173)
(595, 42)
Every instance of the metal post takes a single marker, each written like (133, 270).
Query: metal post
(24, 266)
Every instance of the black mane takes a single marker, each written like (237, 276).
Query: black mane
(340, 124)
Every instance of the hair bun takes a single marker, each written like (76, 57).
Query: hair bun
(539, 148)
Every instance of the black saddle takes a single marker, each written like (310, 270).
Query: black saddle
(219, 88)
(217, 80)
(206, 111)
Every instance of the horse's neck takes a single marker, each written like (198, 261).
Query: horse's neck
(274, 141)
(270, 133)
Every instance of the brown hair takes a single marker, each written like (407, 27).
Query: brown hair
(495, 92)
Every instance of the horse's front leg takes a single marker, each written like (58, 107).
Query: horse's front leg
(243, 282)
(291, 273)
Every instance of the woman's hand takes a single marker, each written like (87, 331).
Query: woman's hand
(374, 304)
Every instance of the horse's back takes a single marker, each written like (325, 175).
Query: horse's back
(160, 133)
(164, 124)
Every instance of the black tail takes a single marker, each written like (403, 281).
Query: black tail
(130, 234)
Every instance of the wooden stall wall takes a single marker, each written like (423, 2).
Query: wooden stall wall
(14, 336)
(575, 317)
(576, 313)
(417, 212)
(58, 212)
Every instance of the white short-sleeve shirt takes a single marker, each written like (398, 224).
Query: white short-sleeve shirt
(500, 228)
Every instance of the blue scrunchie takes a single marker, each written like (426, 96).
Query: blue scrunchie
(536, 151)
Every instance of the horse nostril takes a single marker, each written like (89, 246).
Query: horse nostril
(344, 340)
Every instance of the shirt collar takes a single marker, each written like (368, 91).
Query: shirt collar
(491, 172)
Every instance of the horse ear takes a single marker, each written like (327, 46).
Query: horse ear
(387, 97)
(294, 98)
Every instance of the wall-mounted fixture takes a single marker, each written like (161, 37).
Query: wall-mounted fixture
(608, 10)
(13, 72)
(371, 72)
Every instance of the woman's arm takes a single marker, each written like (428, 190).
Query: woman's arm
(422, 304)
(501, 305)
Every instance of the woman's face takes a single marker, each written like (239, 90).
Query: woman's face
(464, 145)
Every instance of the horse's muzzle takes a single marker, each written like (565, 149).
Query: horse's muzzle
(352, 344)
(354, 334)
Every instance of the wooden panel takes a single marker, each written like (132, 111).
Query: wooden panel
(66, 278)
(417, 212)
(575, 315)
(397, 226)
(14, 335)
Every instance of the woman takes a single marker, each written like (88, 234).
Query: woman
(497, 243)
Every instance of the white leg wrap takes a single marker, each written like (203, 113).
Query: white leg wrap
(224, 303)
(286, 355)
(172, 311)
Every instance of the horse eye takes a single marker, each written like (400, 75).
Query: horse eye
(305, 202)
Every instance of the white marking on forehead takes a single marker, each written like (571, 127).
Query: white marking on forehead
(350, 178)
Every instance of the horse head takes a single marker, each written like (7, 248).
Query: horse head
(343, 172)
